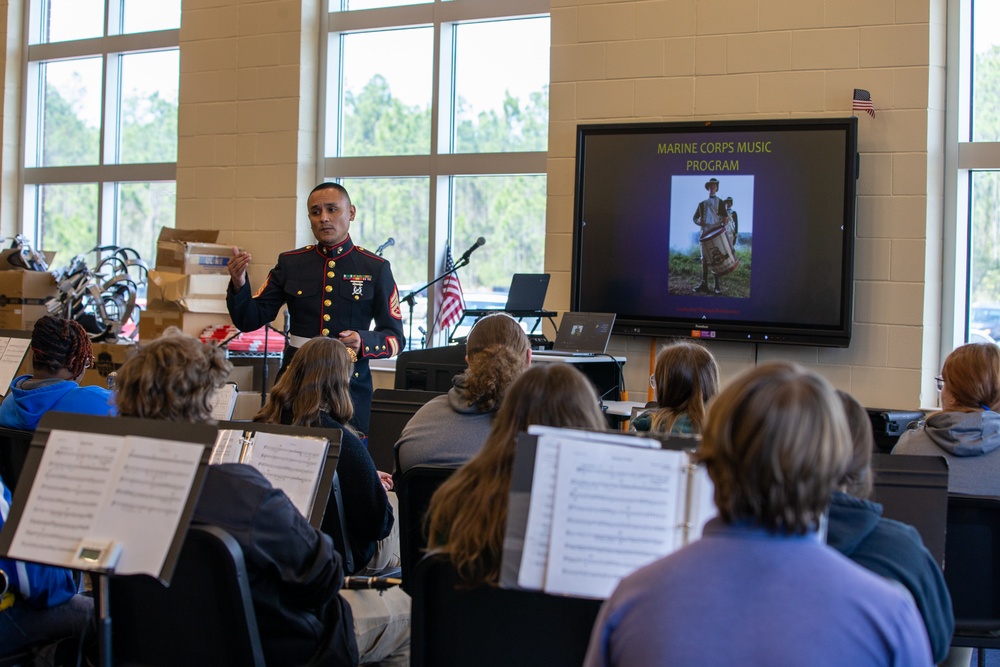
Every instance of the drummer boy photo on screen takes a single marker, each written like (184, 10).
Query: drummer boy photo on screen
(710, 215)
(716, 244)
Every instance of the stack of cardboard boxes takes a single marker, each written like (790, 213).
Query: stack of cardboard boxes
(188, 288)
(23, 295)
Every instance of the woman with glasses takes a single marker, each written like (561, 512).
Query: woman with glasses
(60, 353)
(685, 379)
(967, 429)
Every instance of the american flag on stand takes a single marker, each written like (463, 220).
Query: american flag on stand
(863, 102)
(452, 299)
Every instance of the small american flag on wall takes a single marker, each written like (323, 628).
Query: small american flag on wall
(863, 102)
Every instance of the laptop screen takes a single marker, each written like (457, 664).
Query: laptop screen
(527, 292)
(586, 333)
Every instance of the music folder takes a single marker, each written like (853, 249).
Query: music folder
(107, 493)
(588, 508)
(13, 347)
(299, 460)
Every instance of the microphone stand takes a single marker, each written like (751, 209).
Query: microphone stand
(411, 298)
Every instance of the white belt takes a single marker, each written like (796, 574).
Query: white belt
(297, 341)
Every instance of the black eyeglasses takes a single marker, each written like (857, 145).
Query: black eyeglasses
(939, 381)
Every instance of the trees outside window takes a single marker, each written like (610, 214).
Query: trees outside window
(438, 126)
(100, 129)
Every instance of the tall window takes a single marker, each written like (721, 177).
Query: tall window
(436, 121)
(100, 124)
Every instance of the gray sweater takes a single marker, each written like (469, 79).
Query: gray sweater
(446, 431)
(969, 441)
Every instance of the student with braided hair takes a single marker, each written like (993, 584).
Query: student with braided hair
(60, 353)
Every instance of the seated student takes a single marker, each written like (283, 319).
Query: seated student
(685, 379)
(315, 391)
(39, 604)
(60, 352)
(450, 429)
(468, 514)
(759, 587)
(889, 548)
(294, 571)
(966, 431)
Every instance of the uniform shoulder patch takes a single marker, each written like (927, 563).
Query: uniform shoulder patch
(394, 304)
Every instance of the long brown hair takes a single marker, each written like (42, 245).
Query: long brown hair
(317, 380)
(171, 378)
(687, 377)
(972, 374)
(497, 352)
(776, 444)
(468, 514)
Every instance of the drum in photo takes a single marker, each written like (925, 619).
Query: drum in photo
(718, 249)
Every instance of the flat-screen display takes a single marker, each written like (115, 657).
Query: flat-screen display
(730, 230)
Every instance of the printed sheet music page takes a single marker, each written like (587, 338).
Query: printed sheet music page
(127, 489)
(615, 510)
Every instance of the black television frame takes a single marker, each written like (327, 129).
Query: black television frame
(669, 324)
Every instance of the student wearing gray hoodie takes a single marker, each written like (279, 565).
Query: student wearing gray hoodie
(967, 430)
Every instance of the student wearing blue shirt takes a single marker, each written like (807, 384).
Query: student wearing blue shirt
(61, 352)
(760, 587)
(40, 602)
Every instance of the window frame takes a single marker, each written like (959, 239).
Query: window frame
(440, 165)
(106, 175)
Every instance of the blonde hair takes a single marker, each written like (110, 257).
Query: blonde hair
(468, 514)
(317, 380)
(972, 374)
(171, 378)
(497, 352)
(776, 444)
(687, 378)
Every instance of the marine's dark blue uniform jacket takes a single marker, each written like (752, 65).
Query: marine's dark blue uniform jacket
(329, 290)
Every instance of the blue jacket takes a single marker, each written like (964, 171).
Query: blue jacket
(24, 407)
(39, 585)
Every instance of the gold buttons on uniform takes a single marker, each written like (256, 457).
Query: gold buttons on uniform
(299, 293)
(367, 349)
(357, 298)
(357, 374)
(329, 274)
(329, 288)
(328, 303)
(325, 332)
(331, 264)
(326, 318)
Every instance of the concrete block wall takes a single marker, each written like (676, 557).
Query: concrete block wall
(246, 154)
(675, 60)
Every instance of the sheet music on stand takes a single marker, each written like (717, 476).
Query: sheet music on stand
(92, 486)
(13, 347)
(298, 460)
(587, 508)
(224, 402)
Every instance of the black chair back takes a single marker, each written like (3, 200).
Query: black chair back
(972, 566)
(14, 445)
(414, 489)
(204, 618)
(489, 626)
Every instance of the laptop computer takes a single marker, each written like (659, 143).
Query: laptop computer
(582, 335)
(527, 292)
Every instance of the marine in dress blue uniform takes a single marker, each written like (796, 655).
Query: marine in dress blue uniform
(333, 288)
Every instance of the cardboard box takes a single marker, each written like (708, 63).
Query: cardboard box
(22, 297)
(191, 293)
(155, 319)
(109, 357)
(191, 251)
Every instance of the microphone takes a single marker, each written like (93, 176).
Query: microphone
(388, 242)
(479, 242)
(376, 583)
